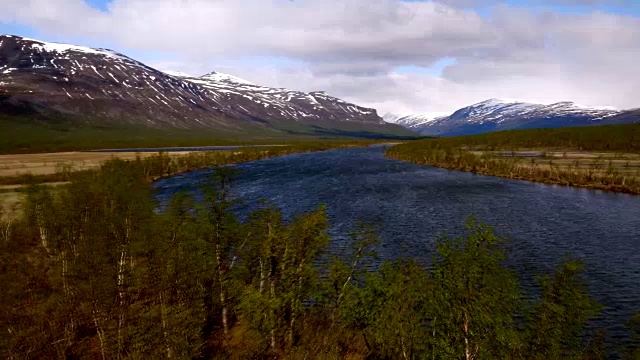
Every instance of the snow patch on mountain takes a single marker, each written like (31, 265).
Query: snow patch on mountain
(62, 48)
(178, 74)
(222, 77)
(413, 121)
(283, 102)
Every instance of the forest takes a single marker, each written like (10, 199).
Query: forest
(618, 138)
(95, 269)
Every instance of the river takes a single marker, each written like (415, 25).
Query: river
(412, 204)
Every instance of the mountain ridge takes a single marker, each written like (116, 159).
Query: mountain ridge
(507, 114)
(103, 87)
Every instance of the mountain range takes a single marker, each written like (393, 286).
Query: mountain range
(100, 87)
(503, 114)
(87, 87)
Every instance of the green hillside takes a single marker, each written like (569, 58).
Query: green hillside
(31, 133)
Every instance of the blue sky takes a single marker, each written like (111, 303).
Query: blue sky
(624, 7)
(99, 4)
(630, 7)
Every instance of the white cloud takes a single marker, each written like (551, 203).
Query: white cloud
(351, 48)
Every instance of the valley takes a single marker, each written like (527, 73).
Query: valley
(365, 281)
(146, 213)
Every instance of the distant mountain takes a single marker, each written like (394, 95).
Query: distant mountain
(413, 121)
(500, 114)
(625, 117)
(99, 87)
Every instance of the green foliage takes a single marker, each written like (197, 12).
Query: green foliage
(225, 237)
(173, 277)
(560, 318)
(283, 275)
(343, 276)
(475, 297)
(94, 270)
(632, 352)
(390, 310)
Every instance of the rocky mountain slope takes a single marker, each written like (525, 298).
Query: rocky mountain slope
(282, 104)
(500, 114)
(99, 87)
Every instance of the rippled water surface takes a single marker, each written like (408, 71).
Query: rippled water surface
(412, 204)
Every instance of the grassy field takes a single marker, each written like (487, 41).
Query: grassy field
(44, 168)
(570, 160)
(12, 165)
(608, 138)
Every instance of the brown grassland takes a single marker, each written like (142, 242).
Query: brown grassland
(12, 165)
(570, 160)
(14, 168)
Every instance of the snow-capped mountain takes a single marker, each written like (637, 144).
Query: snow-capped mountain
(413, 121)
(392, 118)
(504, 114)
(278, 103)
(100, 86)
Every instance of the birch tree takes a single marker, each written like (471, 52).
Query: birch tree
(390, 311)
(475, 297)
(285, 273)
(346, 273)
(170, 322)
(226, 238)
(560, 318)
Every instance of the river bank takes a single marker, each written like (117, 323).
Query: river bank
(595, 157)
(18, 171)
(598, 173)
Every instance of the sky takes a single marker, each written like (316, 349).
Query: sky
(397, 56)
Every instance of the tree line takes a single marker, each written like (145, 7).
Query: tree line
(618, 138)
(94, 270)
